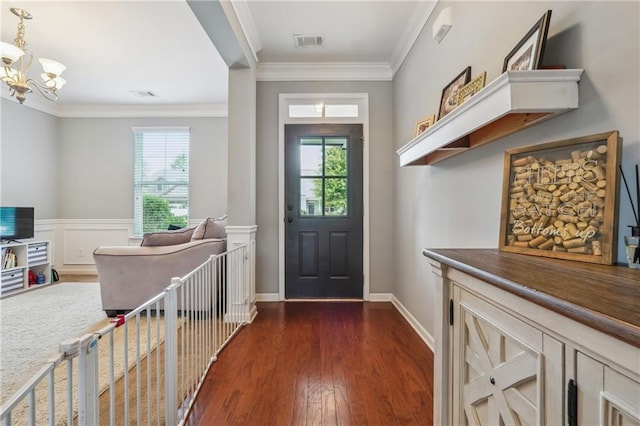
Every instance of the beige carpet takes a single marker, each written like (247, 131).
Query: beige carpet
(19, 415)
(152, 395)
(34, 323)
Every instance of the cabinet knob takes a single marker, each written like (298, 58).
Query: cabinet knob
(492, 380)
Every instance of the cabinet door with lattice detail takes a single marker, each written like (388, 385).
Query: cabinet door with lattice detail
(499, 367)
(620, 400)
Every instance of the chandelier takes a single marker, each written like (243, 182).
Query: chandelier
(16, 61)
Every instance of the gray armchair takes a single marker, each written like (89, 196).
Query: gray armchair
(129, 276)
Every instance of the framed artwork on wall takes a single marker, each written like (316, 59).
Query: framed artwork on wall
(559, 199)
(449, 99)
(527, 54)
(424, 124)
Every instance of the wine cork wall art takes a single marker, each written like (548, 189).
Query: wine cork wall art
(559, 199)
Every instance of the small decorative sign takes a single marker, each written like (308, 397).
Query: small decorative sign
(559, 199)
(471, 88)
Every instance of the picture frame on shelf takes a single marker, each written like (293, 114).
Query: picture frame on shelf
(424, 124)
(527, 54)
(471, 88)
(559, 199)
(449, 99)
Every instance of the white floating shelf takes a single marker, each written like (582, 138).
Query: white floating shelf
(511, 102)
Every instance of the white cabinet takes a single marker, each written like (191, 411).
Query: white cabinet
(500, 373)
(18, 259)
(503, 359)
(604, 395)
(620, 400)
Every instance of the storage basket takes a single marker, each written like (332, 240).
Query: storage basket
(37, 253)
(12, 280)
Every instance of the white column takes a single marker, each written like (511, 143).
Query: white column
(245, 235)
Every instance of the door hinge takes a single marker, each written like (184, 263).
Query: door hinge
(450, 311)
(572, 403)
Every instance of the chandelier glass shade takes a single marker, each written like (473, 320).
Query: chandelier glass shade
(16, 61)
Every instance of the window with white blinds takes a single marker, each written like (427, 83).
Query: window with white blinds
(161, 178)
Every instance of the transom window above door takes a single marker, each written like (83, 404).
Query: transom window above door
(320, 110)
(323, 176)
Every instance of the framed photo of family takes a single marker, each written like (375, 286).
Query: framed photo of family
(449, 99)
(559, 199)
(527, 54)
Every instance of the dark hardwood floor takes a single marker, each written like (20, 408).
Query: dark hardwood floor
(320, 363)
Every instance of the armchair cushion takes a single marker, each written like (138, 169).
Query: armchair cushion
(168, 238)
(209, 228)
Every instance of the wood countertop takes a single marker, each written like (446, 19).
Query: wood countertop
(606, 298)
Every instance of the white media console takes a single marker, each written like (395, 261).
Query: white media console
(34, 256)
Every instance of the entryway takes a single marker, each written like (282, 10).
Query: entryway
(323, 211)
(317, 110)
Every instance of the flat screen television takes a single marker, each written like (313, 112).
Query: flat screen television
(16, 223)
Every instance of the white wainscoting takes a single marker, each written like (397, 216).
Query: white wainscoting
(74, 240)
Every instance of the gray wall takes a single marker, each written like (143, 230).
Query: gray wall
(82, 168)
(29, 159)
(96, 166)
(456, 203)
(381, 168)
(242, 147)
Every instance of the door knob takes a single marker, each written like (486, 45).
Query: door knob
(289, 219)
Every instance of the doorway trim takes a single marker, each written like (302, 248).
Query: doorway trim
(360, 99)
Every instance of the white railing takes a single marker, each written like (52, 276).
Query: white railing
(161, 351)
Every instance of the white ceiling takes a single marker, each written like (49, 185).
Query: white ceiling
(353, 31)
(113, 47)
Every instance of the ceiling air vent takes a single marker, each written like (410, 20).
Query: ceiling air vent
(143, 93)
(307, 40)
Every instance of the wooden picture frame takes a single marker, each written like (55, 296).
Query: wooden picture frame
(424, 124)
(471, 88)
(527, 54)
(449, 98)
(559, 199)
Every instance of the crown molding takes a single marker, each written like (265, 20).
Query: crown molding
(126, 111)
(324, 71)
(245, 18)
(419, 18)
(34, 102)
(122, 111)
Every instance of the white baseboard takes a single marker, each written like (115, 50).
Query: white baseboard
(373, 297)
(422, 332)
(380, 297)
(76, 271)
(267, 297)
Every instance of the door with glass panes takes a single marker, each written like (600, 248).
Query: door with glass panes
(323, 211)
